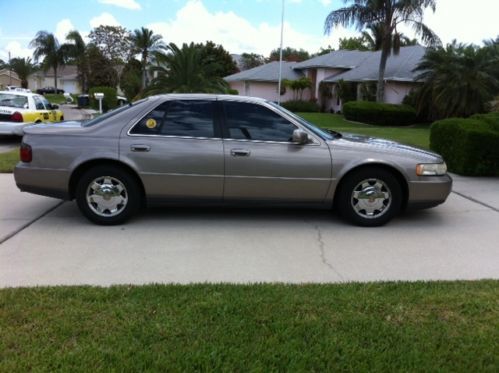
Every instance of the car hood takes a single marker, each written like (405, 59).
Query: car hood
(51, 128)
(378, 145)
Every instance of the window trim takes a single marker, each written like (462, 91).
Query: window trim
(216, 121)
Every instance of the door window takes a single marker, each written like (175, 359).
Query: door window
(248, 121)
(189, 118)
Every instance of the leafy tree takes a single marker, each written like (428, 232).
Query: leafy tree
(459, 80)
(47, 46)
(130, 79)
(389, 14)
(101, 69)
(23, 68)
(115, 43)
(75, 51)
(289, 54)
(3, 65)
(216, 56)
(251, 60)
(298, 86)
(183, 70)
(323, 51)
(354, 43)
(145, 42)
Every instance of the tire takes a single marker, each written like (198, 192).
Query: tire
(108, 195)
(384, 191)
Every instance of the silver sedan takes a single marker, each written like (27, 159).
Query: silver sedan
(224, 150)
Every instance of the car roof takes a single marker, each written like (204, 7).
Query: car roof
(211, 96)
(21, 93)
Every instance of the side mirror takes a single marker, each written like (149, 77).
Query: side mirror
(300, 137)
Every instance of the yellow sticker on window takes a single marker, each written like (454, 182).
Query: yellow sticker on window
(151, 123)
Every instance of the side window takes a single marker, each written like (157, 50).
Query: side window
(255, 122)
(152, 122)
(193, 118)
(189, 118)
(38, 103)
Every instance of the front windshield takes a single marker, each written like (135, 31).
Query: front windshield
(303, 122)
(110, 114)
(15, 101)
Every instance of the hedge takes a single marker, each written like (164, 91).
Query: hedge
(109, 102)
(469, 146)
(301, 106)
(379, 113)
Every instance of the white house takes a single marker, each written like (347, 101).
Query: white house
(350, 66)
(67, 79)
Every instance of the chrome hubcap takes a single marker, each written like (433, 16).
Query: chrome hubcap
(107, 196)
(371, 198)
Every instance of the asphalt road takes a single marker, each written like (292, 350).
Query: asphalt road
(457, 240)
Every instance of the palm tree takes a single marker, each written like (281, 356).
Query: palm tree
(182, 70)
(459, 80)
(76, 49)
(374, 37)
(146, 42)
(47, 46)
(23, 68)
(389, 14)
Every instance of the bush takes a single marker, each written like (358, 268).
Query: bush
(469, 146)
(301, 106)
(379, 113)
(108, 103)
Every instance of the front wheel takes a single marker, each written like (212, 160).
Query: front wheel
(369, 197)
(107, 195)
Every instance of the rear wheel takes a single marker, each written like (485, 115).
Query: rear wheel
(107, 195)
(369, 197)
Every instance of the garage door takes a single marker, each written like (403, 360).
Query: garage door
(70, 86)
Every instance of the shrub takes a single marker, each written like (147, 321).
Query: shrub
(301, 106)
(108, 103)
(469, 146)
(379, 113)
(231, 91)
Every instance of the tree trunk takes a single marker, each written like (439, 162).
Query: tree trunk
(380, 89)
(144, 73)
(55, 78)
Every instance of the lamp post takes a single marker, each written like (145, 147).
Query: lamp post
(280, 57)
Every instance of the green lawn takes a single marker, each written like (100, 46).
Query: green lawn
(59, 98)
(385, 327)
(417, 135)
(8, 161)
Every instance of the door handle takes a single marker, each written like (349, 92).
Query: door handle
(140, 148)
(240, 153)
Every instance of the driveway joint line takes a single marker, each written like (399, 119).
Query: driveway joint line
(475, 201)
(322, 252)
(24, 226)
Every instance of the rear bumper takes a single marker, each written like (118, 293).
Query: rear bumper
(13, 128)
(429, 192)
(45, 182)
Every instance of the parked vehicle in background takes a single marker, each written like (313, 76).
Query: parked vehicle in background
(18, 109)
(121, 100)
(229, 150)
(42, 91)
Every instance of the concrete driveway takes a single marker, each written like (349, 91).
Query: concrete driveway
(46, 242)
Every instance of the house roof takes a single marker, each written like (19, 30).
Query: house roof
(398, 67)
(342, 59)
(267, 73)
(11, 73)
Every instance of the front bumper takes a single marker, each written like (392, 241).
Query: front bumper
(429, 191)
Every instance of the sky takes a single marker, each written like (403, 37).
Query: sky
(251, 26)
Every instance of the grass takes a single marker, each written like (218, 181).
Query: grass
(8, 161)
(384, 327)
(59, 98)
(417, 135)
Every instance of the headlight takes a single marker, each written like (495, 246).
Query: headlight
(431, 169)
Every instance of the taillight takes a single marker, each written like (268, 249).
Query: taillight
(16, 117)
(26, 154)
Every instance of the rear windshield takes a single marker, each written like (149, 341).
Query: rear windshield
(111, 113)
(15, 101)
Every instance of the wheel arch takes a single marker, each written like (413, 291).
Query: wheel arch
(87, 165)
(393, 170)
